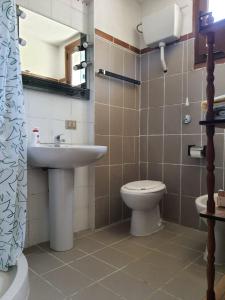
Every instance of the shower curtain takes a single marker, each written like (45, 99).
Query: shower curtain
(13, 152)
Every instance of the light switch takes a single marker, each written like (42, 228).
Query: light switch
(70, 124)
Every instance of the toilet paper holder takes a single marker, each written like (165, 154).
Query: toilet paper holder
(197, 151)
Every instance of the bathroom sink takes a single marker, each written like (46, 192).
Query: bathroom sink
(64, 156)
(61, 161)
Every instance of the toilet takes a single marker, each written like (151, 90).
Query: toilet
(143, 198)
(201, 204)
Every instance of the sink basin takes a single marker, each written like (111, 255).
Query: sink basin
(61, 162)
(65, 156)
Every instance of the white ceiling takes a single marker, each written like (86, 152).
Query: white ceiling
(46, 29)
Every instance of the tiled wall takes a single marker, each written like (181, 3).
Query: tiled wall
(117, 126)
(164, 139)
(49, 112)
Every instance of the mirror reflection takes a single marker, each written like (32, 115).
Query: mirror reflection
(51, 50)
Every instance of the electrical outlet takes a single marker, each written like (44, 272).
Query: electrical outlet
(70, 124)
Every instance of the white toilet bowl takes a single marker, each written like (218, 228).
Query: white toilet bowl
(201, 204)
(143, 198)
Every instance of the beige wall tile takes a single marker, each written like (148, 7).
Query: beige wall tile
(102, 212)
(102, 51)
(129, 64)
(116, 121)
(172, 150)
(102, 89)
(116, 150)
(131, 122)
(116, 209)
(116, 60)
(103, 140)
(173, 119)
(155, 121)
(116, 92)
(116, 180)
(173, 89)
(101, 119)
(156, 92)
(131, 173)
(129, 149)
(190, 181)
(101, 181)
(129, 95)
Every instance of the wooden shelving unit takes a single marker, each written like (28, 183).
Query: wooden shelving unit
(213, 214)
(216, 123)
(219, 214)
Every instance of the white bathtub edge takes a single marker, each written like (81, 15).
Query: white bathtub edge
(19, 289)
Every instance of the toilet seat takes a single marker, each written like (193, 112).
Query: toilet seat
(143, 186)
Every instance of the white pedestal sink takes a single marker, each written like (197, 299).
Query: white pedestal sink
(61, 162)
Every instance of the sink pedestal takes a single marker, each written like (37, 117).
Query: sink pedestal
(61, 199)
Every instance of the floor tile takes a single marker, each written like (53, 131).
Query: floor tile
(154, 275)
(167, 265)
(121, 229)
(67, 280)
(65, 256)
(162, 260)
(108, 237)
(181, 253)
(42, 262)
(195, 243)
(96, 292)
(127, 286)
(155, 240)
(176, 228)
(161, 295)
(88, 245)
(41, 290)
(92, 267)
(189, 283)
(131, 248)
(32, 250)
(83, 233)
(114, 257)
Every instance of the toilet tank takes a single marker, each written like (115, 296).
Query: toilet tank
(163, 25)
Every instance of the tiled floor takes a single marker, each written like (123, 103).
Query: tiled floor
(111, 265)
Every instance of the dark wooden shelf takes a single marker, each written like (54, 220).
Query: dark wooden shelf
(217, 123)
(219, 214)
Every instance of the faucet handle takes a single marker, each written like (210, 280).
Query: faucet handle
(58, 139)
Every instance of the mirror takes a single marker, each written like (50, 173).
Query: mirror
(51, 53)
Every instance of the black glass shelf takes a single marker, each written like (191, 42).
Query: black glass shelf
(219, 214)
(56, 87)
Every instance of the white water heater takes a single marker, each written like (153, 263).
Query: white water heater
(163, 25)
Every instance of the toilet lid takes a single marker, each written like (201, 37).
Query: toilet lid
(144, 185)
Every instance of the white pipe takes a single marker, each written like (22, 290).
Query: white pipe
(162, 46)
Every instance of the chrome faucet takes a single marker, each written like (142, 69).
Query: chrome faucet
(58, 140)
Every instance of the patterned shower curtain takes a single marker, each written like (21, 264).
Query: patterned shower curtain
(13, 152)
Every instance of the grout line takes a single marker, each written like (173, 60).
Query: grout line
(148, 119)
(181, 139)
(48, 282)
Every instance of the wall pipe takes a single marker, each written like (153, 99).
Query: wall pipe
(162, 46)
